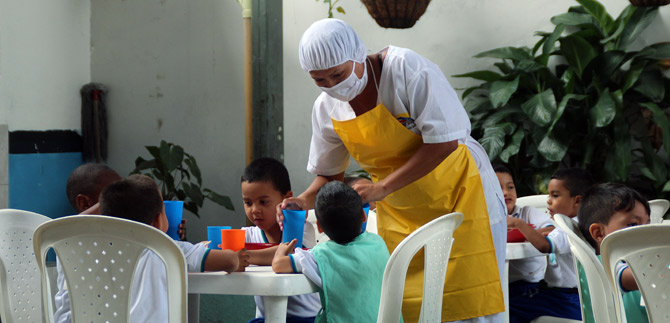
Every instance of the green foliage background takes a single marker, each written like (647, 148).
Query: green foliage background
(578, 98)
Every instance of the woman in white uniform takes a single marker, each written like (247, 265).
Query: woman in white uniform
(395, 113)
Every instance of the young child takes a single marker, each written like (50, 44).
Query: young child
(557, 294)
(265, 184)
(138, 198)
(85, 184)
(349, 268)
(524, 274)
(607, 208)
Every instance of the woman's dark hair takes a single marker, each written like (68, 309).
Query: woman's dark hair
(339, 211)
(602, 201)
(268, 170)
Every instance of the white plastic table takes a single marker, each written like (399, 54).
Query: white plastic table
(256, 280)
(515, 250)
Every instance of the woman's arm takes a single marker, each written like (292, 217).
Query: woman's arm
(424, 160)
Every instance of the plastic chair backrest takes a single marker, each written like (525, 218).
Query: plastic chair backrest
(20, 280)
(436, 237)
(98, 255)
(605, 309)
(538, 201)
(646, 250)
(658, 209)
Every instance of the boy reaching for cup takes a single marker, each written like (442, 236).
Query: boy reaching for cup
(265, 184)
(138, 198)
(332, 264)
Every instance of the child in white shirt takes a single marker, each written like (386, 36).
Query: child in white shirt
(138, 198)
(556, 295)
(265, 183)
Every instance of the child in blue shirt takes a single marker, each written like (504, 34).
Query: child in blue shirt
(349, 268)
(607, 208)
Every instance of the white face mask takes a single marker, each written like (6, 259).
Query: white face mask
(348, 89)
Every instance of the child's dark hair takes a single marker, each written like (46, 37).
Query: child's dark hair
(338, 210)
(602, 201)
(576, 180)
(135, 198)
(85, 180)
(500, 168)
(268, 170)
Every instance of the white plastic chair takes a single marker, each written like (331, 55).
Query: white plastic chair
(436, 237)
(658, 209)
(646, 250)
(605, 309)
(98, 255)
(20, 281)
(538, 201)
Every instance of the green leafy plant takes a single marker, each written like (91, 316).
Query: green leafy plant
(331, 6)
(578, 98)
(178, 177)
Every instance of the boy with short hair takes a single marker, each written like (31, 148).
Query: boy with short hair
(138, 198)
(349, 268)
(85, 184)
(265, 183)
(557, 294)
(607, 208)
(524, 274)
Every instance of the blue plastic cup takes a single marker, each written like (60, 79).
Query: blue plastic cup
(214, 235)
(366, 208)
(294, 226)
(174, 211)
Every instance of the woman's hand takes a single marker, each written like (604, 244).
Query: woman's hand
(291, 203)
(370, 192)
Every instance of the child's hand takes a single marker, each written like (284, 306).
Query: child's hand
(284, 249)
(243, 259)
(513, 223)
(182, 230)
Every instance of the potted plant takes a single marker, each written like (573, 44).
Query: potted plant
(178, 177)
(578, 98)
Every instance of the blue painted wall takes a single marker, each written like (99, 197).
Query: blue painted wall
(37, 182)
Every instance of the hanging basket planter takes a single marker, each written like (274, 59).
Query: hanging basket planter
(649, 3)
(396, 13)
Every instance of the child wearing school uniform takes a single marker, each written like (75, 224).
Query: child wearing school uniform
(138, 198)
(264, 184)
(349, 268)
(524, 274)
(557, 294)
(607, 208)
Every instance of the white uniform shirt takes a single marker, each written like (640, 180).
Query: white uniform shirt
(149, 291)
(307, 305)
(409, 85)
(529, 269)
(560, 273)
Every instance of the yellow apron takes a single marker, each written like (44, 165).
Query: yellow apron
(381, 144)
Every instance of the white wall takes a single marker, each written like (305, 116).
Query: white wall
(174, 71)
(449, 34)
(44, 61)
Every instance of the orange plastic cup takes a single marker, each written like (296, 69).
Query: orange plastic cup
(232, 239)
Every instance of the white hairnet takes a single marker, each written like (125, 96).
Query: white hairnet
(329, 42)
